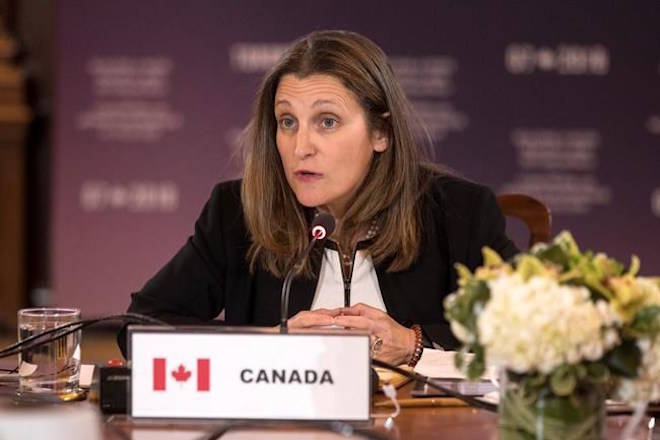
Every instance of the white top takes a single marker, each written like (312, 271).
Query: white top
(364, 282)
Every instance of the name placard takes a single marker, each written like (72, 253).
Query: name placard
(246, 373)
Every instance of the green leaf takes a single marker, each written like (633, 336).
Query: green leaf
(571, 416)
(595, 295)
(624, 359)
(464, 274)
(528, 266)
(607, 267)
(462, 309)
(566, 241)
(490, 257)
(459, 359)
(634, 265)
(597, 372)
(554, 254)
(531, 385)
(646, 320)
(563, 380)
(477, 366)
(535, 380)
(592, 282)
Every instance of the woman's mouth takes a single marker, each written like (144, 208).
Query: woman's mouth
(307, 176)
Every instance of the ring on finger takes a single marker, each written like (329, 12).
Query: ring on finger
(376, 345)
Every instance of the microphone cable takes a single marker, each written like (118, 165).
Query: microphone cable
(61, 331)
(477, 403)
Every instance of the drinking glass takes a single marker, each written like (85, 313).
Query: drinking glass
(52, 367)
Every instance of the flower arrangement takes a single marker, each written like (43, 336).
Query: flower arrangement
(562, 324)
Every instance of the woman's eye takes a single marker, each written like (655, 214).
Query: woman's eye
(329, 122)
(287, 123)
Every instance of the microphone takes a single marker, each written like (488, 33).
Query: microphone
(322, 226)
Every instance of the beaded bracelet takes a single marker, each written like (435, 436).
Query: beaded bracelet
(419, 346)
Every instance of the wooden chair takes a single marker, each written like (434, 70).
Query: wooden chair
(531, 211)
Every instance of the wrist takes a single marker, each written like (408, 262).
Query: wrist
(410, 345)
(416, 346)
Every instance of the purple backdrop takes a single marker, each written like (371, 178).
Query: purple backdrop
(556, 100)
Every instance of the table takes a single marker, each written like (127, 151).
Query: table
(417, 423)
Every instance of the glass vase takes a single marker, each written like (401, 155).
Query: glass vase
(528, 412)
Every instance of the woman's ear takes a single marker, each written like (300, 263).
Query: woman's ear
(380, 141)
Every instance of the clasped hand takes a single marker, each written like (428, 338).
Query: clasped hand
(397, 342)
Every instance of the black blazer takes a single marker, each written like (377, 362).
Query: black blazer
(210, 272)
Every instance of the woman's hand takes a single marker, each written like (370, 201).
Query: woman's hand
(313, 318)
(398, 342)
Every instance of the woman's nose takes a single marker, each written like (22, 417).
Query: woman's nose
(304, 143)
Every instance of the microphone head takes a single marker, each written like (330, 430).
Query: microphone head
(322, 226)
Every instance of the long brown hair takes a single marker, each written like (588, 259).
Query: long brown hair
(391, 190)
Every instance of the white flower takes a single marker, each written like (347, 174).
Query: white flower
(539, 324)
(461, 333)
(650, 289)
(646, 386)
(608, 314)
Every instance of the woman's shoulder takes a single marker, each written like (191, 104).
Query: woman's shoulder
(223, 209)
(455, 193)
(471, 217)
(226, 195)
(225, 188)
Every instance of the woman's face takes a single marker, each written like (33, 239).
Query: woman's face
(324, 140)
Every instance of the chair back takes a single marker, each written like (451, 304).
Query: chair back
(531, 211)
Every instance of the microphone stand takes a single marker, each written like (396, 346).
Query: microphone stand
(323, 225)
(286, 286)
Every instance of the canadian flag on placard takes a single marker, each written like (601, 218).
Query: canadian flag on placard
(180, 373)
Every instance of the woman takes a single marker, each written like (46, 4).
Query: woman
(332, 132)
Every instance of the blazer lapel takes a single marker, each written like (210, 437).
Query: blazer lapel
(392, 289)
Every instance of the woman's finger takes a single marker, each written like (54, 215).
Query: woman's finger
(356, 322)
(363, 310)
(329, 312)
(310, 319)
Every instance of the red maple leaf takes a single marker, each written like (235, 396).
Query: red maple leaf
(181, 374)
